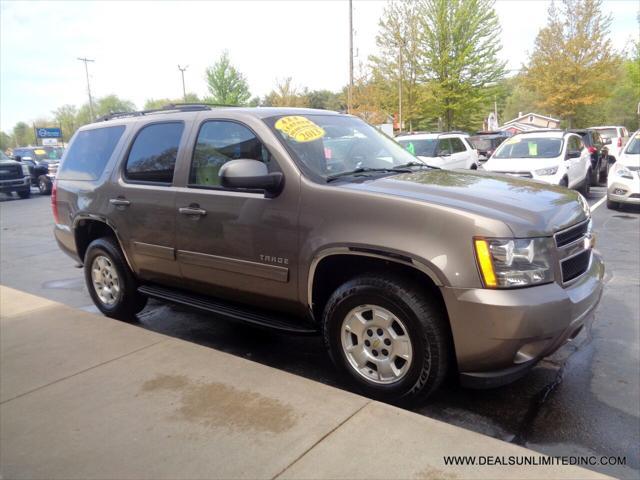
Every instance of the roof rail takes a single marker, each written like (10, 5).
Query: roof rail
(542, 130)
(170, 107)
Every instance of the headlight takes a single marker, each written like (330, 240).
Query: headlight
(505, 263)
(546, 171)
(25, 170)
(624, 172)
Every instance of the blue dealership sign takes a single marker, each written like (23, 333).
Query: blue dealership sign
(49, 132)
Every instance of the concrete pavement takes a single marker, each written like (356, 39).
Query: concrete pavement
(84, 396)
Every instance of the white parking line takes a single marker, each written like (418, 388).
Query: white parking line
(598, 203)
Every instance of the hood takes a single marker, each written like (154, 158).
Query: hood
(433, 161)
(629, 160)
(9, 162)
(519, 164)
(529, 208)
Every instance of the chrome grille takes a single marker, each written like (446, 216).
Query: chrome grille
(570, 235)
(573, 267)
(574, 250)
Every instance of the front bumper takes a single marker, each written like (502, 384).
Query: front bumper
(500, 334)
(15, 184)
(624, 190)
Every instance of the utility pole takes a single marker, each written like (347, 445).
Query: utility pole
(86, 71)
(184, 90)
(350, 92)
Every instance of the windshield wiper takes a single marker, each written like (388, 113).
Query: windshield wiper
(417, 164)
(335, 176)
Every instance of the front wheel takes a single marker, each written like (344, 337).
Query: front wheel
(26, 193)
(388, 338)
(611, 205)
(44, 185)
(110, 282)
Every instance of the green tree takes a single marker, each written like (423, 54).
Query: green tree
(573, 61)
(23, 135)
(520, 99)
(226, 84)
(65, 116)
(325, 100)
(6, 141)
(459, 47)
(400, 61)
(153, 104)
(286, 95)
(103, 106)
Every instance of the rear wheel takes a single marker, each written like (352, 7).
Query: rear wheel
(388, 338)
(110, 282)
(611, 205)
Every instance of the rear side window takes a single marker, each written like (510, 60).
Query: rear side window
(89, 153)
(457, 145)
(219, 142)
(152, 157)
(444, 146)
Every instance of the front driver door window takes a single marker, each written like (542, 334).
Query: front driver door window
(234, 240)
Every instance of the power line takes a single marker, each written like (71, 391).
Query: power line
(86, 71)
(184, 90)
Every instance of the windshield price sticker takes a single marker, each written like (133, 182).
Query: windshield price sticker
(300, 129)
(533, 149)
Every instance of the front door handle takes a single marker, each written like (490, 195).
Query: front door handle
(192, 211)
(119, 202)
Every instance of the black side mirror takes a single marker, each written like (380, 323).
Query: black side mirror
(573, 154)
(250, 174)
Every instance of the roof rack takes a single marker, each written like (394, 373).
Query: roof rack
(542, 130)
(170, 107)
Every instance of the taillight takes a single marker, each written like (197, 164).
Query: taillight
(592, 149)
(54, 201)
(619, 141)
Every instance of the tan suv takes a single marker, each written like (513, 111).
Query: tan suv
(310, 221)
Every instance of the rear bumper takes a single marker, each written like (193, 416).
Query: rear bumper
(15, 184)
(500, 334)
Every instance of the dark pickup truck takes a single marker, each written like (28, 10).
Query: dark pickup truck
(42, 163)
(14, 177)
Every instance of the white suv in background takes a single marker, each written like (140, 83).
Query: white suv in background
(445, 150)
(551, 156)
(618, 137)
(623, 184)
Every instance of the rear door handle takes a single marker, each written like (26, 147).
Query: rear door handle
(119, 202)
(192, 211)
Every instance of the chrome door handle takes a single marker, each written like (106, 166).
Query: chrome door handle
(119, 202)
(192, 211)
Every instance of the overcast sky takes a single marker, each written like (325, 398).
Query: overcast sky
(138, 45)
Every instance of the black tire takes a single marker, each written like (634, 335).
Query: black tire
(564, 182)
(129, 301)
(44, 185)
(426, 326)
(474, 167)
(585, 188)
(24, 193)
(611, 205)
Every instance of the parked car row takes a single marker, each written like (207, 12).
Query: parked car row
(623, 185)
(577, 158)
(39, 163)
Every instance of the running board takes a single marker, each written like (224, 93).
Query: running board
(281, 322)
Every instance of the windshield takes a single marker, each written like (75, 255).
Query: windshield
(633, 148)
(529, 147)
(423, 148)
(3, 156)
(608, 132)
(330, 145)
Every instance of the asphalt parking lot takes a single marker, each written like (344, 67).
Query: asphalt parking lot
(581, 401)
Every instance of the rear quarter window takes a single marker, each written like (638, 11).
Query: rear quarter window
(89, 153)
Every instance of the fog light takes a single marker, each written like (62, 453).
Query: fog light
(619, 191)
